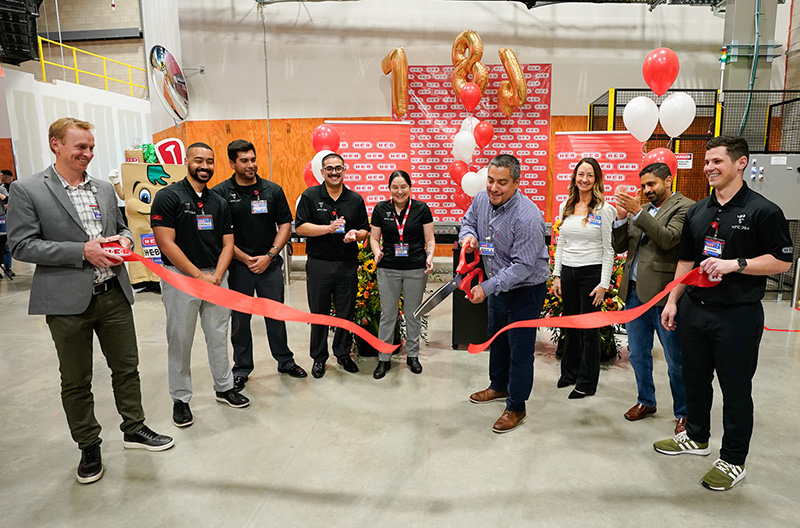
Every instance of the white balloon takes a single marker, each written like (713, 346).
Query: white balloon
(677, 113)
(640, 117)
(469, 124)
(464, 145)
(316, 164)
(472, 184)
(483, 174)
(458, 157)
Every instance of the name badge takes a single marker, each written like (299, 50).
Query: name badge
(205, 222)
(339, 229)
(401, 250)
(258, 207)
(2, 220)
(712, 246)
(486, 249)
(594, 220)
(96, 212)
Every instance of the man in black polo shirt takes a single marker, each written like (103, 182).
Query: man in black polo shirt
(192, 227)
(262, 224)
(333, 218)
(737, 237)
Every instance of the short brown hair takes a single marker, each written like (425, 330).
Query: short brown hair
(59, 128)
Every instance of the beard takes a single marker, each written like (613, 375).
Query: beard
(200, 175)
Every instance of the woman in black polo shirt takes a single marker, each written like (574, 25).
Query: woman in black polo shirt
(404, 258)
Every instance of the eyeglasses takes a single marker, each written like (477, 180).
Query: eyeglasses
(337, 169)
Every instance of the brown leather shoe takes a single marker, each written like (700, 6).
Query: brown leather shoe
(485, 396)
(639, 411)
(508, 421)
(680, 425)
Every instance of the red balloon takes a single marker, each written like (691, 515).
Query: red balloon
(660, 69)
(457, 171)
(325, 137)
(470, 96)
(662, 155)
(308, 176)
(484, 132)
(462, 200)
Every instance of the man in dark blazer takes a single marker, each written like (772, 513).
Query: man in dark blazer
(650, 236)
(59, 220)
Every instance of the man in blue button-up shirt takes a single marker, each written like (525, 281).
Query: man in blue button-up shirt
(509, 231)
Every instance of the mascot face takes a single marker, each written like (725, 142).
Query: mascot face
(141, 183)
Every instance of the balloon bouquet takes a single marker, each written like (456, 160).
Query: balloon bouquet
(676, 113)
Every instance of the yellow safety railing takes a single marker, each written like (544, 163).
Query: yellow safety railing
(78, 71)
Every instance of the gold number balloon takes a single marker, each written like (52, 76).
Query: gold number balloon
(514, 92)
(396, 63)
(468, 64)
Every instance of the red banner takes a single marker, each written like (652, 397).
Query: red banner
(436, 115)
(372, 151)
(601, 319)
(247, 304)
(619, 154)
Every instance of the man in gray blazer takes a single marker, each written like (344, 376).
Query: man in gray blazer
(651, 237)
(59, 220)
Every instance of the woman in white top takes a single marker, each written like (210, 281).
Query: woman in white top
(582, 272)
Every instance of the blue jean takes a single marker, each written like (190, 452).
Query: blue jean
(511, 355)
(640, 354)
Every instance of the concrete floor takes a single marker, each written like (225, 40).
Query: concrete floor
(408, 450)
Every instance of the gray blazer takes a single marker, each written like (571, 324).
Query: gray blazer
(44, 228)
(658, 251)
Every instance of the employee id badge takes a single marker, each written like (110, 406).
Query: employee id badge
(486, 249)
(96, 212)
(712, 246)
(594, 220)
(339, 229)
(401, 250)
(205, 222)
(258, 207)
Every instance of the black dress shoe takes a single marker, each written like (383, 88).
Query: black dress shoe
(295, 371)
(232, 398)
(348, 364)
(382, 368)
(318, 370)
(577, 395)
(414, 365)
(239, 383)
(563, 383)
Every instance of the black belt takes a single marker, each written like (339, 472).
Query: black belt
(105, 287)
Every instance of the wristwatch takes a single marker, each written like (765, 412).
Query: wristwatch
(742, 264)
(271, 255)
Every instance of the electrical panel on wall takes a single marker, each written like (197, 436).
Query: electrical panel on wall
(777, 177)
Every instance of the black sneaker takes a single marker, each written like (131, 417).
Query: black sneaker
(239, 382)
(146, 438)
(181, 414)
(90, 468)
(233, 398)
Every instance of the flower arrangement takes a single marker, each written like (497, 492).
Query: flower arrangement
(611, 303)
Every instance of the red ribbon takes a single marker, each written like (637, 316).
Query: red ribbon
(600, 319)
(247, 304)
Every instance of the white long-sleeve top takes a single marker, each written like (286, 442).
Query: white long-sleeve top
(587, 244)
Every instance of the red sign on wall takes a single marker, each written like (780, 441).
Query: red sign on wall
(619, 154)
(436, 115)
(372, 151)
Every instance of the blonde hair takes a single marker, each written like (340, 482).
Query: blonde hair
(59, 127)
(597, 200)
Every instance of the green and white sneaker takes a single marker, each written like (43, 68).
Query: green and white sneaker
(723, 476)
(680, 444)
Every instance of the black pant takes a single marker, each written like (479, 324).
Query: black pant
(331, 281)
(581, 361)
(724, 340)
(267, 285)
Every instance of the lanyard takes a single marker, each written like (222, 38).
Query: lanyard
(401, 225)
(200, 205)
